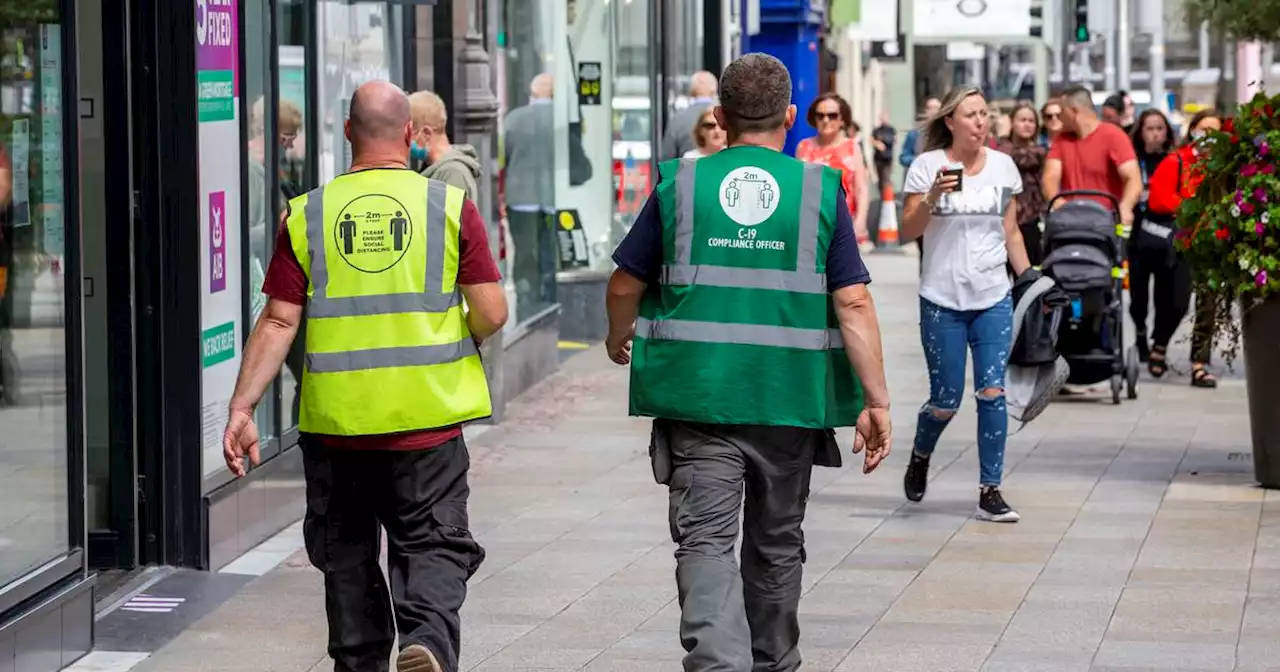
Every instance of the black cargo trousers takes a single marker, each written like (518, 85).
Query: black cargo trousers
(739, 618)
(420, 498)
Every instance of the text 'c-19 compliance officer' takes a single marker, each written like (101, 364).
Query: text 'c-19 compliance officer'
(381, 257)
(754, 336)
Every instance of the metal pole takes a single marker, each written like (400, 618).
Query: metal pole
(1124, 57)
(1109, 59)
(1204, 45)
(1159, 99)
(1040, 54)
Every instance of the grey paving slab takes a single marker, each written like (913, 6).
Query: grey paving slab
(1144, 544)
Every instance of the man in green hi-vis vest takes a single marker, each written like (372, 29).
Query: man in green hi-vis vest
(740, 302)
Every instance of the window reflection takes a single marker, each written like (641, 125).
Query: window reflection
(34, 525)
(291, 82)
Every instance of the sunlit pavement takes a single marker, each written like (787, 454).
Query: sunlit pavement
(1144, 543)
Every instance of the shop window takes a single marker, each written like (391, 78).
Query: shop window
(291, 86)
(34, 510)
(267, 133)
(354, 45)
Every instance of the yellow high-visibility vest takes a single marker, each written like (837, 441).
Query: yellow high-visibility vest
(387, 344)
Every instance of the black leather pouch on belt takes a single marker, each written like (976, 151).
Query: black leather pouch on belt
(660, 452)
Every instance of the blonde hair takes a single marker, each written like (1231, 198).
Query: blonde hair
(699, 134)
(428, 111)
(935, 133)
(289, 119)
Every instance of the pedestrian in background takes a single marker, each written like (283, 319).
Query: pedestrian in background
(1174, 181)
(960, 194)
(1051, 122)
(677, 140)
(1027, 154)
(708, 137)
(1151, 252)
(733, 357)
(392, 372)
(1092, 155)
(911, 142)
(836, 147)
(883, 139)
(457, 165)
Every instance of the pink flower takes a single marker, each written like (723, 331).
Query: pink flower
(1246, 208)
(1260, 228)
(1249, 170)
(1260, 278)
(1269, 169)
(1260, 195)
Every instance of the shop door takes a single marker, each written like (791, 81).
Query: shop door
(108, 235)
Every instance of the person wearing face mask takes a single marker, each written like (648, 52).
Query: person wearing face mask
(1151, 253)
(441, 160)
(962, 196)
(1174, 181)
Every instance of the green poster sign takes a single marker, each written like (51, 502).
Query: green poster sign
(219, 344)
(215, 95)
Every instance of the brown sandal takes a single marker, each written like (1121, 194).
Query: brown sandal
(1200, 377)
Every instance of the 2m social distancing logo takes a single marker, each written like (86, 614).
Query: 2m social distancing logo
(373, 233)
(748, 195)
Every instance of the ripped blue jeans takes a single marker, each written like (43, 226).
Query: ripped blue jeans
(946, 335)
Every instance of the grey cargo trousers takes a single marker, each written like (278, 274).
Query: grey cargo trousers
(737, 619)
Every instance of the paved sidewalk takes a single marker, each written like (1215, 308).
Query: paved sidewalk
(1144, 544)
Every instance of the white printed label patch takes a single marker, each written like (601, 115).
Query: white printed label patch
(749, 195)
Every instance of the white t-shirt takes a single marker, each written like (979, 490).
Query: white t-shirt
(964, 245)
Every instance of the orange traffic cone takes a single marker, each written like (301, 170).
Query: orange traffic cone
(888, 235)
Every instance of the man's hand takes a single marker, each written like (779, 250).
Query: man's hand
(874, 434)
(619, 349)
(1126, 216)
(240, 439)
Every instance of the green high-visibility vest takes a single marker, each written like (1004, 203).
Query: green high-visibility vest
(387, 345)
(740, 329)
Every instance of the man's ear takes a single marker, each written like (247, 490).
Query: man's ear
(718, 113)
(346, 129)
(791, 117)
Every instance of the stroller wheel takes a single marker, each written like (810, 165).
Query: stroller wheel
(1117, 384)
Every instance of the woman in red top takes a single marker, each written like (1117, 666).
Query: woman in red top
(1173, 181)
(832, 117)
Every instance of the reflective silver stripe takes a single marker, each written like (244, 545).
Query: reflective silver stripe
(382, 358)
(810, 215)
(746, 278)
(739, 334)
(805, 279)
(1156, 230)
(432, 300)
(684, 210)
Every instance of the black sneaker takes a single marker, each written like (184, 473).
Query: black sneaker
(916, 480)
(992, 507)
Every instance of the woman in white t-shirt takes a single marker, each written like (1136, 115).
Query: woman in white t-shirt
(970, 228)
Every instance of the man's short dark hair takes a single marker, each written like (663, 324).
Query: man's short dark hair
(755, 92)
(1115, 101)
(1076, 97)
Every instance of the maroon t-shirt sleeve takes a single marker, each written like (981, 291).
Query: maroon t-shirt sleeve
(285, 279)
(1055, 150)
(475, 261)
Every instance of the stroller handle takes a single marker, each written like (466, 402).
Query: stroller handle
(1115, 203)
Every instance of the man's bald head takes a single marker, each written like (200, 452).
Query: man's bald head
(542, 86)
(702, 85)
(380, 112)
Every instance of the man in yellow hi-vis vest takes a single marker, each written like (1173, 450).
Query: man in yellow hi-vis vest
(381, 258)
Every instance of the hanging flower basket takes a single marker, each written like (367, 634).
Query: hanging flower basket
(1230, 234)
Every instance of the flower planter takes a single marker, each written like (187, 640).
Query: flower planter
(1261, 332)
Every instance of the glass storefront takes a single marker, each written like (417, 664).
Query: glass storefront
(354, 47)
(574, 88)
(34, 500)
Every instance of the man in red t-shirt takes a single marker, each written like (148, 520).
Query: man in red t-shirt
(412, 483)
(1092, 155)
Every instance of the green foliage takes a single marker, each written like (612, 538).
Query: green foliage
(19, 12)
(1240, 19)
(1230, 229)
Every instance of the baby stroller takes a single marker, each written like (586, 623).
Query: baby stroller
(1084, 248)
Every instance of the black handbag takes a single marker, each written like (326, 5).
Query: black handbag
(580, 170)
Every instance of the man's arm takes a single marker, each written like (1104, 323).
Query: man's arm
(1132, 177)
(622, 302)
(265, 352)
(478, 277)
(486, 309)
(860, 329)
(1051, 179)
(1014, 243)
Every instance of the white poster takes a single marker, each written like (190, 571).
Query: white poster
(21, 172)
(218, 103)
(51, 139)
(878, 23)
(944, 20)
